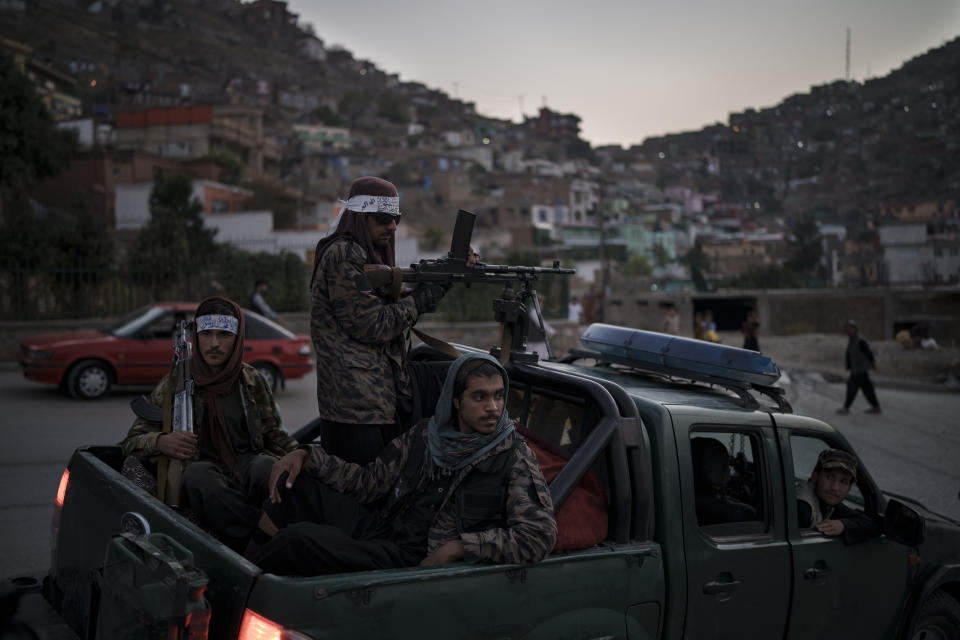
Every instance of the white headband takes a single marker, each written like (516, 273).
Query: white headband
(215, 322)
(373, 204)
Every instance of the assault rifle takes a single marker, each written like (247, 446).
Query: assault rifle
(511, 309)
(178, 413)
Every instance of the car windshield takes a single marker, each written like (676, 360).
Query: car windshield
(261, 328)
(130, 323)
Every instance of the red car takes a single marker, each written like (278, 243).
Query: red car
(138, 349)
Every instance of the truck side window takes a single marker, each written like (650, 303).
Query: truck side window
(558, 420)
(804, 451)
(728, 482)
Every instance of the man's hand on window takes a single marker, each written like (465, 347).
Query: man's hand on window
(829, 527)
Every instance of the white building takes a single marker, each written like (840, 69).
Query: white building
(912, 255)
(549, 218)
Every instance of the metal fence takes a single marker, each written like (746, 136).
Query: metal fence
(28, 294)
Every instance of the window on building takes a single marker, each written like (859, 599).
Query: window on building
(219, 206)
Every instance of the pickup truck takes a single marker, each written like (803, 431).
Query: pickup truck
(626, 409)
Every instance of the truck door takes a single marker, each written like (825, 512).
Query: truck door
(839, 590)
(734, 528)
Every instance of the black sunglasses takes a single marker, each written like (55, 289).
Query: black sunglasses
(385, 218)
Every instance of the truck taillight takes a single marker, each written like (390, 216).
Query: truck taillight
(62, 489)
(55, 523)
(256, 627)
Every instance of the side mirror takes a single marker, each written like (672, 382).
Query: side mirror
(902, 524)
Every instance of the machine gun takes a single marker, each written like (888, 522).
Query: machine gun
(511, 309)
(177, 413)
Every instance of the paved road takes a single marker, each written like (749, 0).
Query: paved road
(912, 448)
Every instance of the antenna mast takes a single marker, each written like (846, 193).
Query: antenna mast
(848, 54)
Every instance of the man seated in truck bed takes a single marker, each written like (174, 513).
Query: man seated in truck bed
(239, 433)
(462, 485)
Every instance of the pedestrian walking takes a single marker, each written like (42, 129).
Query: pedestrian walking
(671, 321)
(751, 331)
(860, 360)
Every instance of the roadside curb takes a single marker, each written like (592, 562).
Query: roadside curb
(881, 382)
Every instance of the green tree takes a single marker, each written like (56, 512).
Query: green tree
(31, 149)
(81, 239)
(805, 248)
(31, 146)
(636, 265)
(389, 107)
(231, 169)
(81, 257)
(660, 254)
(698, 263)
(432, 238)
(237, 270)
(171, 251)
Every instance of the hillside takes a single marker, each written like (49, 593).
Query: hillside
(843, 152)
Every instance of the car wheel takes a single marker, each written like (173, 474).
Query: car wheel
(269, 373)
(939, 618)
(89, 380)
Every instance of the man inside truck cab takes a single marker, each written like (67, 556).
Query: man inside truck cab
(461, 485)
(820, 499)
(238, 434)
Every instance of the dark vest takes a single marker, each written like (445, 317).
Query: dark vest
(481, 496)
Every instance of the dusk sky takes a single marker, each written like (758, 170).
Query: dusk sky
(631, 69)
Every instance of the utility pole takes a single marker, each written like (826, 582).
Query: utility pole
(848, 54)
(520, 100)
(601, 300)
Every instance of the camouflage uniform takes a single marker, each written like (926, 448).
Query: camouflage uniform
(530, 532)
(263, 418)
(360, 340)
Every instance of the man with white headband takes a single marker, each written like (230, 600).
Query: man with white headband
(359, 332)
(238, 431)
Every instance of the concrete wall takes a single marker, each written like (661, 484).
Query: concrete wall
(879, 312)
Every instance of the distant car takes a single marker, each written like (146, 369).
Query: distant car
(138, 349)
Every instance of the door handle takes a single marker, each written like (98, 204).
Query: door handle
(713, 588)
(246, 348)
(815, 573)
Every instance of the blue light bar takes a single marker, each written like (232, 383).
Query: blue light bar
(681, 356)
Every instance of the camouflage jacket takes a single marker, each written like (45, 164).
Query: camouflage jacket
(360, 340)
(530, 532)
(263, 419)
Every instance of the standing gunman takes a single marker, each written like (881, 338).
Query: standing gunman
(462, 485)
(359, 333)
(239, 434)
